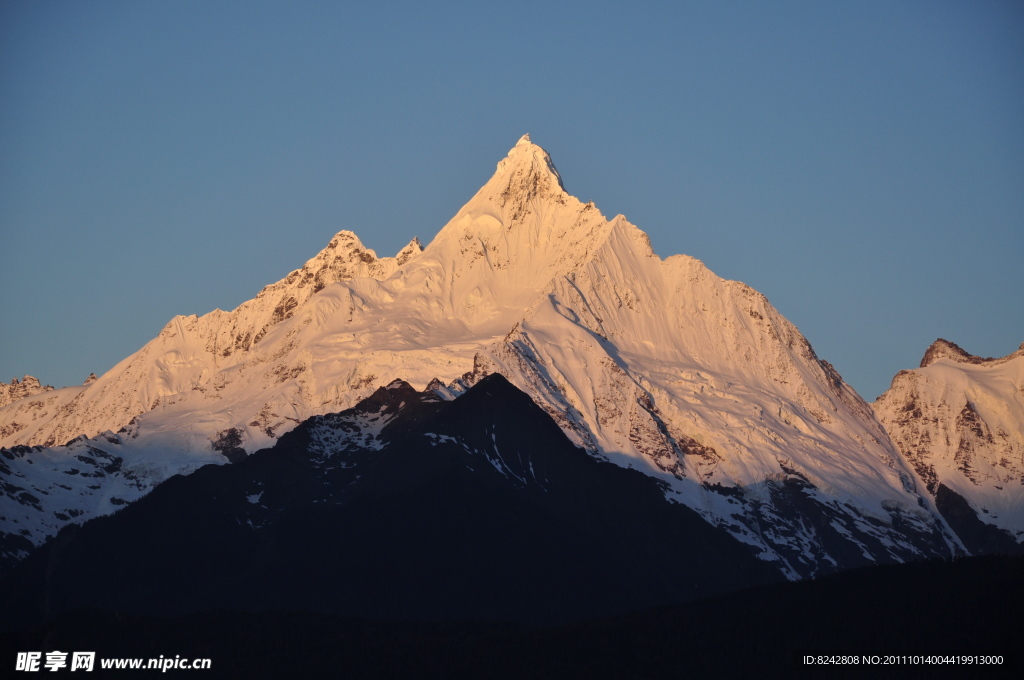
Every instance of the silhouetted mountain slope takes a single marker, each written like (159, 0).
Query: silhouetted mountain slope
(405, 507)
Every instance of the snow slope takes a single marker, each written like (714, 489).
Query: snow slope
(654, 364)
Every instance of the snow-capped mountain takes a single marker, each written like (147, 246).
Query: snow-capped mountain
(656, 365)
(959, 420)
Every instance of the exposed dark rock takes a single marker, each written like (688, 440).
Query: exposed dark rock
(229, 444)
(979, 537)
(20, 389)
(284, 310)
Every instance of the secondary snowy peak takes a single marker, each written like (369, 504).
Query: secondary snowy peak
(344, 258)
(959, 420)
(944, 349)
(410, 251)
(192, 354)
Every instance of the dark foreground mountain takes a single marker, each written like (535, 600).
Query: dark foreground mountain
(407, 507)
(965, 607)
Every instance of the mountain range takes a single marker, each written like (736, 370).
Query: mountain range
(667, 415)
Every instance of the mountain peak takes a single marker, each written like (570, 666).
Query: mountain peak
(944, 349)
(412, 249)
(345, 240)
(527, 160)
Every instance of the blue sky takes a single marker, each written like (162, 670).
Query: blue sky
(859, 163)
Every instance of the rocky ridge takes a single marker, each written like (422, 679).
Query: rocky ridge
(19, 389)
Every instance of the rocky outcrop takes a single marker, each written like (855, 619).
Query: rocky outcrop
(19, 389)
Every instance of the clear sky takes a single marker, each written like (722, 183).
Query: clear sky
(860, 163)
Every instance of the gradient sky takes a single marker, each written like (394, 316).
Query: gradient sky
(859, 163)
